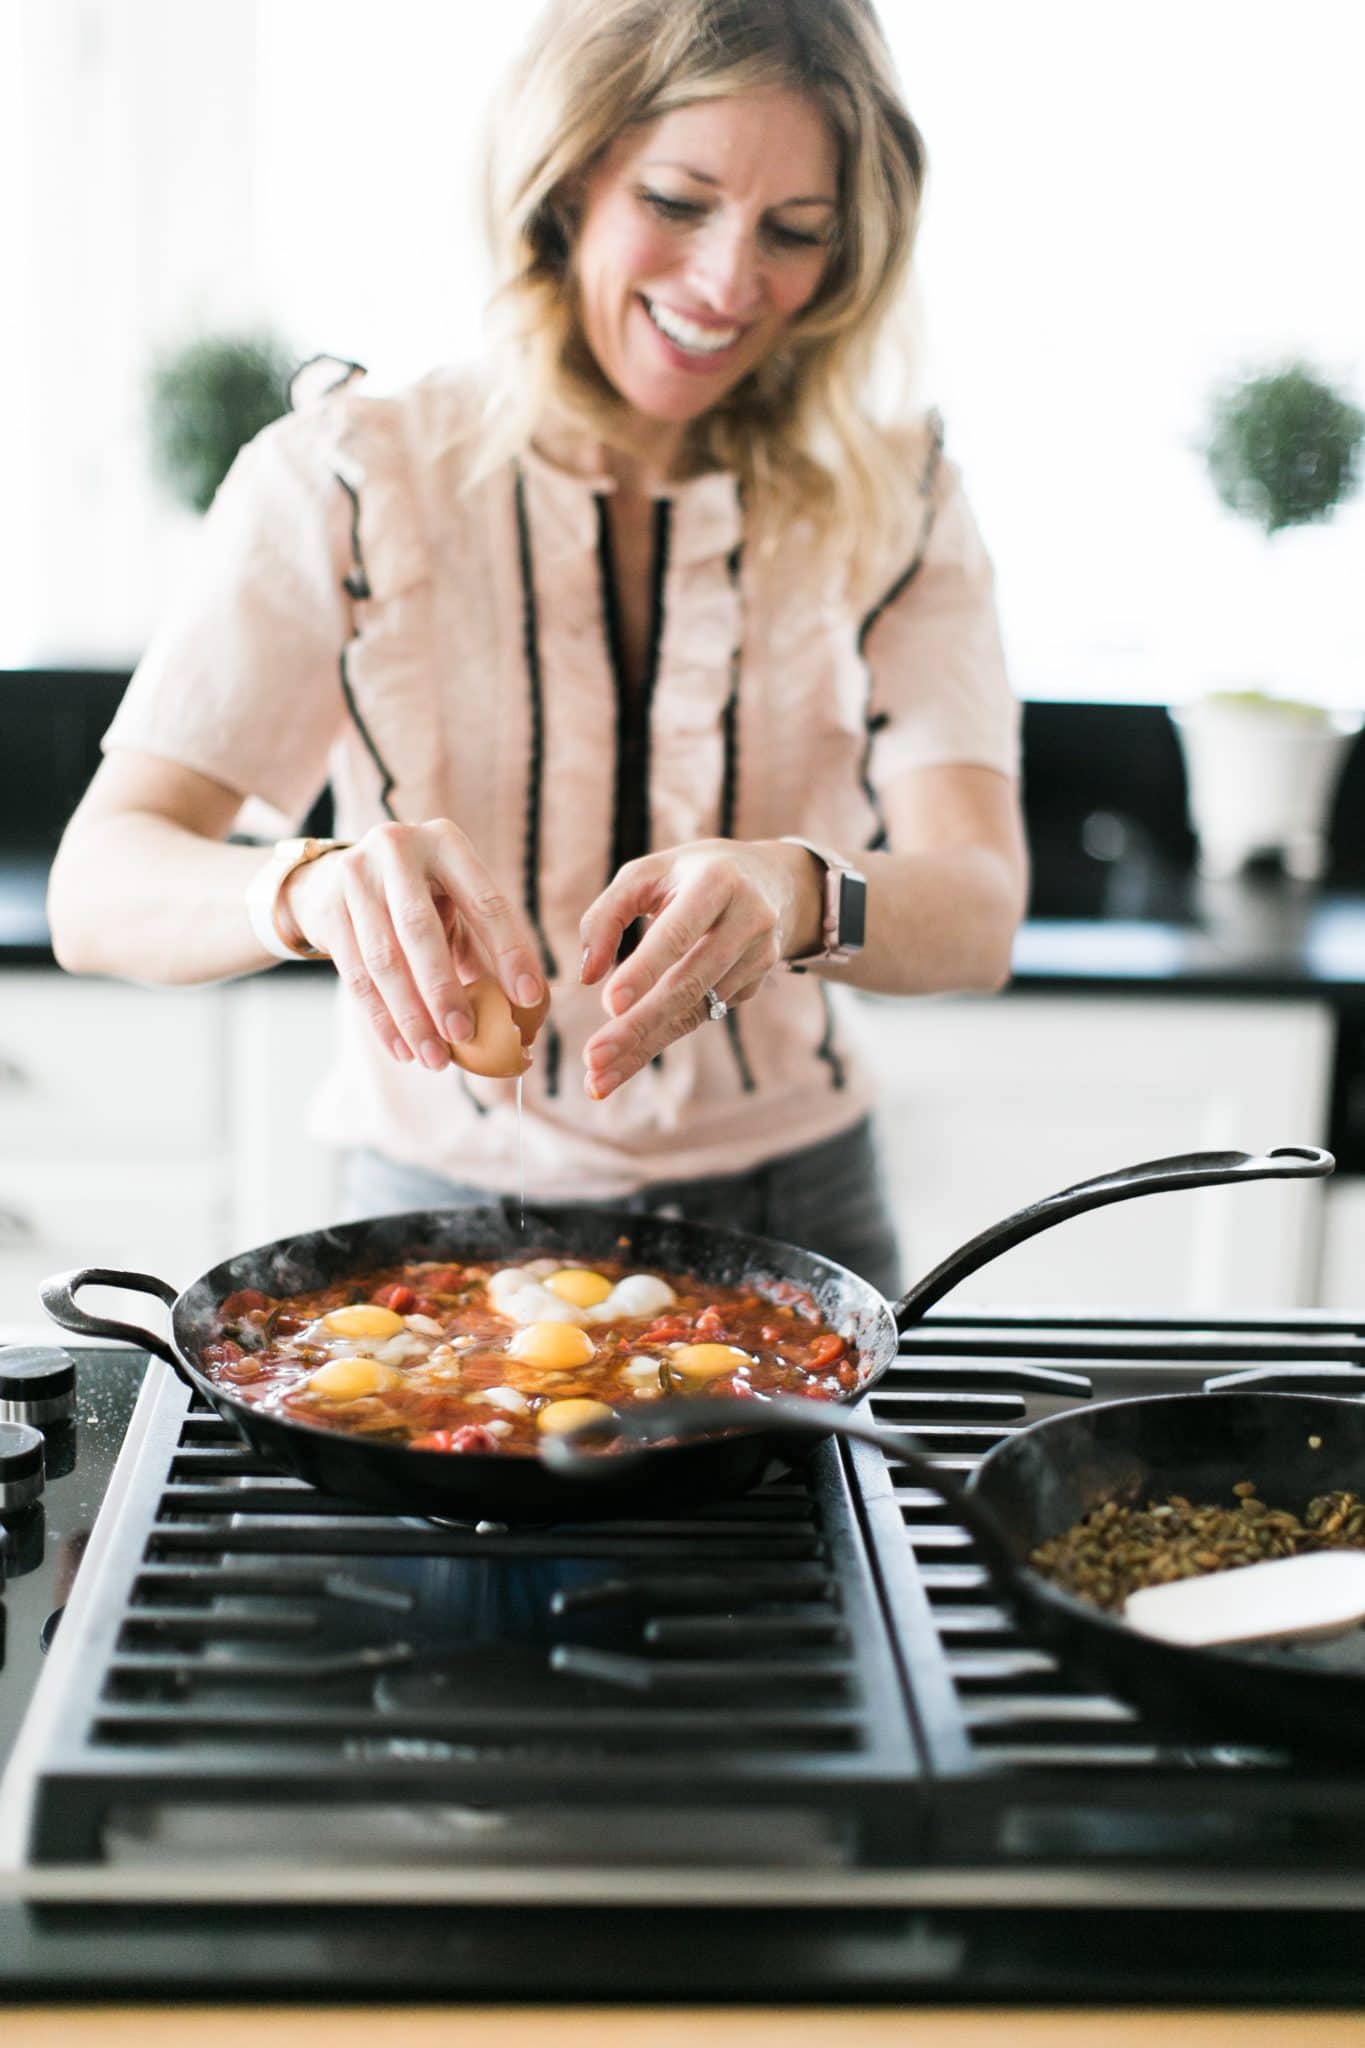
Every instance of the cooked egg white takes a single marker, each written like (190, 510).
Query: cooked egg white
(509, 1398)
(543, 1292)
(641, 1375)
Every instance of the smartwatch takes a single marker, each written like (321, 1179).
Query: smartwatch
(845, 914)
(263, 905)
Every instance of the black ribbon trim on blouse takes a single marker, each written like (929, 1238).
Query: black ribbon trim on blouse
(469, 1095)
(826, 1050)
(875, 721)
(729, 797)
(357, 586)
(535, 769)
(630, 831)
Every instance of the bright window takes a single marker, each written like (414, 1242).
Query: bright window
(1126, 204)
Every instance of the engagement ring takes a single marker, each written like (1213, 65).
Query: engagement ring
(717, 1006)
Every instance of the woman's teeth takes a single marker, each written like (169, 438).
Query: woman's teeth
(684, 333)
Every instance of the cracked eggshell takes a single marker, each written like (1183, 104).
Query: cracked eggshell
(503, 1033)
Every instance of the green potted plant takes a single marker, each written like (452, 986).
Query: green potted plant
(206, 400)
(1282, 448)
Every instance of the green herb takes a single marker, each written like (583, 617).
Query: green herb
(1116, 1550)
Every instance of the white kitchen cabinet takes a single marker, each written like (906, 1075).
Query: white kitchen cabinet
(161, 1129)
(114, 1114)
(989, 1103)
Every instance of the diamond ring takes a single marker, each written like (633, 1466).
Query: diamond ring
(717, 1008)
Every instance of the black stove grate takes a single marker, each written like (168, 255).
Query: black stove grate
(1029, 1763)
(814, 1677)
(254, 1641)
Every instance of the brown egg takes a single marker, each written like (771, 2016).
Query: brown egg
(503, 1033)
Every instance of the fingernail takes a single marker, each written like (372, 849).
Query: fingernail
(459, 1025)
(434, 1054)
(401, 1050)
(600, 1085)
(528, 991)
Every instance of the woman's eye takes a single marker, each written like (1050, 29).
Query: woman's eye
(672, 209)
(792, 238)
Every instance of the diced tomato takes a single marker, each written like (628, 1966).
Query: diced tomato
(400, 1299)
(423, 1305)
(824, 1351)
(665, 1330)
(710, 1324)
(246, 1301)
(771, 1334)
(471, 1436)
(847, 1374)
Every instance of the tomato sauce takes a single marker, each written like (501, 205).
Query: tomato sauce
(451, 1357)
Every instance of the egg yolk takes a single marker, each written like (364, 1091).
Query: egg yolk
(346, 1379)
(561, 1416)
(552, 1344)
(580, 1286)
(364, 1319)
(706, 1361)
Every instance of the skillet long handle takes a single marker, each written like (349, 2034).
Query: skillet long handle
(1151, 1177)
(681, 1421)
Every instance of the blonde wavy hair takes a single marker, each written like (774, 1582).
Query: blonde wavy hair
(801, 431)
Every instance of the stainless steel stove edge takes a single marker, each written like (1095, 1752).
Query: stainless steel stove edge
(18, 1782)
(1035, 1887)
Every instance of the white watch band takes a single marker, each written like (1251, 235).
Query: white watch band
(264, 889)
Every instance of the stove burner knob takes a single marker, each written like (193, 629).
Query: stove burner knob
(21, 1466)
(36, 1386)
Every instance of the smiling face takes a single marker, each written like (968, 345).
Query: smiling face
(702, 236)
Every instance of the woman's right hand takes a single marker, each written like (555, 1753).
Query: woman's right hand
(411, 916)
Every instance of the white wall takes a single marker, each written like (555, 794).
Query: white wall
(1125, 204)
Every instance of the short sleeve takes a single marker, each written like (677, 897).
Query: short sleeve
(242, 678)
(939, 692)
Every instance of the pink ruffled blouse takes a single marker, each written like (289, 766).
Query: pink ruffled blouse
(361, 614)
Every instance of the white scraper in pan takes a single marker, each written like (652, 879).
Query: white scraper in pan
(1282, 1600)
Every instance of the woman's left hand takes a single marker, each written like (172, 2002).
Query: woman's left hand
(723, 913)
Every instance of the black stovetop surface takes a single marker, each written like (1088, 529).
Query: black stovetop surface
(990, 1726)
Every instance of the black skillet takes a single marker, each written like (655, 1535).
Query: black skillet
(1043, 1479)
(474, 1486)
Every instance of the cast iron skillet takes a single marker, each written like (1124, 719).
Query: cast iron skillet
(1039, 1481)
(474, 1486)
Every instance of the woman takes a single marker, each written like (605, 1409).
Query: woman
(626, 661)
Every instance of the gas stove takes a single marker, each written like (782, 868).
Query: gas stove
(790, 1742)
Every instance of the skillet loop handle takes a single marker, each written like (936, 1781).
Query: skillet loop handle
(59, 1293)
(1151, 1177)
(681, 1421)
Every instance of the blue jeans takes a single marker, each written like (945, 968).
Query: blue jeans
(829, 1198)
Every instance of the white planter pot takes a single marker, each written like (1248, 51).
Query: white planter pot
(1261, 781)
